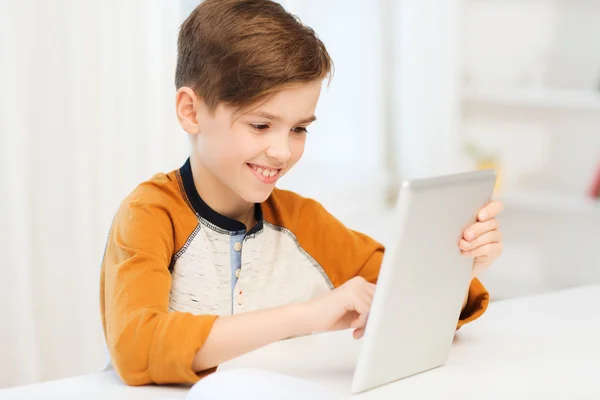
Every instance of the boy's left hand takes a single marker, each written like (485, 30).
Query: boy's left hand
(483, 239)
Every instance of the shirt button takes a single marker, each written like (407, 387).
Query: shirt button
(237, 272)
(237, 246)
(240, 299)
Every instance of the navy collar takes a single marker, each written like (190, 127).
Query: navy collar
(202, 209)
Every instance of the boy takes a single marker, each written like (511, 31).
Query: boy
(211, 261)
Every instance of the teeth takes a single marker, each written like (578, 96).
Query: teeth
(266, 172)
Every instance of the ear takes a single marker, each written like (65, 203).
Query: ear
(187, 105)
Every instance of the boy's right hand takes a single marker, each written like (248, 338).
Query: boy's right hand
(344, 307)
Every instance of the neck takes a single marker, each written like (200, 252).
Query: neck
(220, 197)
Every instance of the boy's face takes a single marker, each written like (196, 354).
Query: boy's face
(249, 152)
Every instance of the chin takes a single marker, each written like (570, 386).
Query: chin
(257, 196)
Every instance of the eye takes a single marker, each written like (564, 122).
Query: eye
(260, 127)
(300, 130)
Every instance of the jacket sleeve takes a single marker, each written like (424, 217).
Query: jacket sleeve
(477, 303)
(146, 342)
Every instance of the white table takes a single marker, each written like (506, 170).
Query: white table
(545, 346)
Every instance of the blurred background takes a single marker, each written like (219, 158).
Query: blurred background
(422, 87)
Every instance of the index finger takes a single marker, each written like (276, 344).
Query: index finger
(490, 211)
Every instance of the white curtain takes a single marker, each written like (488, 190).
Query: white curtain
(86, 113)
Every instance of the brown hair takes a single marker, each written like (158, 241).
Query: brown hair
(240, 51)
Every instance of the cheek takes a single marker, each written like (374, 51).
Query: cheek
(247, 146)
(296, 149)
(228, 149)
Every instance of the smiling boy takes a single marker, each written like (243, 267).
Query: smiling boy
(211, 261)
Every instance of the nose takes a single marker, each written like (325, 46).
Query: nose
(279, 147)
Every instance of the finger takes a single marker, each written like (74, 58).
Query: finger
(364, 316)
(490, 250)
(479, 228)
(360, 321)
(358, 333)
(357, 301)
(494, 236)
(348, 319)
(365, 285)
(370, 288)
(361, 299)
(367, 297)
(490, 211)
(368, 294)
(363, 306)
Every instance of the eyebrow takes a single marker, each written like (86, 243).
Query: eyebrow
(278, 119)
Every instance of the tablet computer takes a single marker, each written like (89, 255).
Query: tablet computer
(423, 278)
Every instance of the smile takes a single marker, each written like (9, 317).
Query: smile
(264, 174)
